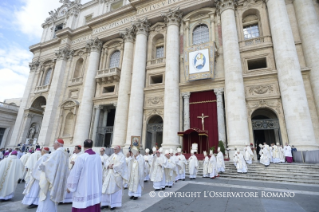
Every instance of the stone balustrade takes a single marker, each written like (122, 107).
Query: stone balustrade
(108, 75)
(157, 61)
(255, 41)
(42, 88)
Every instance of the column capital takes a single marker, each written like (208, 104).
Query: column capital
(128, 34)
(94, 44)
(186, 95)
(142, 26)
(222, 5)
(173, 16)
(34, 66)
(64, 53)
(115, 104)
(218, 91)
(98, 107)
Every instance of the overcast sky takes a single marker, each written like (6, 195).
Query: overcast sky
(20, 27)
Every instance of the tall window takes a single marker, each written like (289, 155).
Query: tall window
(115, 59)
(200, 34)
(251, 31)
(78, 68)
(47, 77)
(160, 52)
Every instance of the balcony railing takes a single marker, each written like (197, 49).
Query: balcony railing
(255, 41)
(76, 80)
(104, 130)
(156, 61)
(108, 75)
(42, 88)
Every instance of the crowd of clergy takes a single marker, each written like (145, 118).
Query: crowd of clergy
(93, 181)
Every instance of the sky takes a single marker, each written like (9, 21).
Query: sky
(20, 27)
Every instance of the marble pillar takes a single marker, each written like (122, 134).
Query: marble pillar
(121, 114)
(83, 121)
(186, 111)
(235, 103)
(171, 93)
(98, 109)
(19, 121)
(135, 113)
(292, 89)
(308, 22)
(220, 115)
(52, 103)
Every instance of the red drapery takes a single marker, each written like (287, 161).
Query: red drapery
(198, 105)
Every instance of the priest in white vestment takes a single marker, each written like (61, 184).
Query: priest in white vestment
(137, 175)
(127, 163)
(104, 158)
(248, 154)
(11, 170)
(85, 180)
(193, 166)
(205, 165)
(264, 156)
(281, 153)
(235, 159)
(275, 154)
(24, 160)
(271, 153)
(53, 179)
(112, 188)
(31, 193)
(157, 173)
(169, 170)
(163, 183)
(174, 160)
(288, 154)
(241, 163)
(147, 158)
(68, 196)
(212, 166)
(182, 162)
(220, 161)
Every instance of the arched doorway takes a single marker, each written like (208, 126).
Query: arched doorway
(266, 127)
(154, 132)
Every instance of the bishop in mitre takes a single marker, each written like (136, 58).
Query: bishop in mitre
(164, 164)
(182, 162)
(169, 170)
(264, 156)
(113, 183)
(137, 175)
(127, 164)
(212, 166)
(205, 165)
(241, 163)
(11, 170)
(276, 158)
(249, 155)
(157, 172)
(193, 166)
(31, 193)
(220, 161)
(174, 159)
(281, 153)
(53, 180)
(148, 161)
(24, 160)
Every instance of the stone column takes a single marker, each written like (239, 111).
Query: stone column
(83, 121)
(98, 109)
(171, 93)
(293, 94)
(121, 114)
(25, 126)
(52, 103)
(105, 117)
(308, 22)
(236, 112)
(19, 121)
(186, 111)
(220, 115)
(135, 118)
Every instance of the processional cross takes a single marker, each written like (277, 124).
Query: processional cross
(203, 119)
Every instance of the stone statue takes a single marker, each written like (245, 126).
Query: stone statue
(32, 131)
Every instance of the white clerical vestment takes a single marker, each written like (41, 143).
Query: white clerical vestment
(212, 167)
(147, 159)
(85, 180)
(170, 174)
(137, 175)
(248, 154)
(128, 164)
(53, 180)
(24, 160)
(193, 166)
(157, 172)
(113, 183)
(241, 164)
(220, 162)
(11, 170)
(275, 155)
(182, 162)
(205, 166)
(265, 158)
(287, 150)
(104, 160)
(281, 154)
(30, 165)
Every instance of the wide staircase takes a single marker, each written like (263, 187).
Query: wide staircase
(282, 172)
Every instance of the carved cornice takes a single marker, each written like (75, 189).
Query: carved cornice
(173, 16)
(222, 5)
(128, 34)
(34, 66)
(94, 44)
(64, 53)
(219, 91)
(142, 26)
